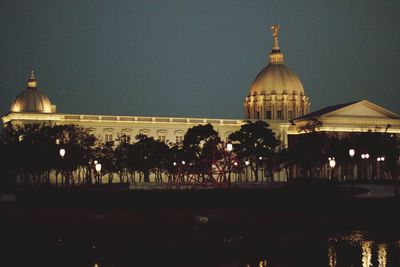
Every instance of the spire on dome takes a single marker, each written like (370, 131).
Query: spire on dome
(275, 56)
(32, 81)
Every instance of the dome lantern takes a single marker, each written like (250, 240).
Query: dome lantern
(32, 81)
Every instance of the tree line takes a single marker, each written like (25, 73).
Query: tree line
(30, 154)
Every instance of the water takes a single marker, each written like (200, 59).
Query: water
(97, 238)
(357, 249)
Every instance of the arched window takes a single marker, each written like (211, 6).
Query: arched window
(108, 135)
(162, 135)
(179, 134)
(126, 135)
(144, 132)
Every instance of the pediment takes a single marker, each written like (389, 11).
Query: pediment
(362, 108)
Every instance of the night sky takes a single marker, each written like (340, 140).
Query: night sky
(195, 58)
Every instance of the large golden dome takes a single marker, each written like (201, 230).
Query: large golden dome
(32, 100)
(276, 78)
(276, 93)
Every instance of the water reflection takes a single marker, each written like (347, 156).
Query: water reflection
(332, 256)
(382, 255)
(357, 248)
(366, 253)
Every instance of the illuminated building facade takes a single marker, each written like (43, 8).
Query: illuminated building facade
(276, 96)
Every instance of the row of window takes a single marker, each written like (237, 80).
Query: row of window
(109, 137)
(279, 115)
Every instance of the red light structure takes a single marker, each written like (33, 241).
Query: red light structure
(207, 173)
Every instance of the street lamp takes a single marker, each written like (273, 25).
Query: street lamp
(365, 156)
(229, 148)
(247, 163)
(352, 152)
(62, 152)
(97, 167)
(332, 164)
(380, 160)
(183, 162)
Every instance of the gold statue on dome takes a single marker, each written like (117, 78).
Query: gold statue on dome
(275, 29)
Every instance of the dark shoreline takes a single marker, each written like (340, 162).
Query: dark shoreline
(242, 225)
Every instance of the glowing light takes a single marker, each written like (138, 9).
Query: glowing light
(260, 158)
(363, 156)
(235, 163)
(98, 167)
(62, 152)
(332, 163)
(229, 147)
(95, 162)
(183, 162)
(174, 163)
(367, 156)
(352, 152)
(247, 162)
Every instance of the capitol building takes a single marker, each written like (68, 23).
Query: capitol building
(276, 96)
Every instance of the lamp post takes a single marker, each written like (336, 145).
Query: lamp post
(61, 152)
(380, 160)
(365, 157)
(97, 167)
(236, 176)
(352, 152)
(332, 164)
(247, 163)
(229, 148)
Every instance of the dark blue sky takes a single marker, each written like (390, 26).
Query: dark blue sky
(195, 58)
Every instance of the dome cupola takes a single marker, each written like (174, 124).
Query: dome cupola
(32, 100)
(277, 92)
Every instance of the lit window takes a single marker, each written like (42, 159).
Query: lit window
(279, 115)
(108, 138)
(161, 138)
(179, 139)
(290, 114)
(126, 138)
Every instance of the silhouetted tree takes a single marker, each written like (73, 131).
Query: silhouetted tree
(201, 148)
(255, 140)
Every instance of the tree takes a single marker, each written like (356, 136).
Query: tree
(253, 141)
(201, 148)
(147, 155)
(33, 152)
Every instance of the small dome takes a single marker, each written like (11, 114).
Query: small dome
(276, 79)
(32, 100)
